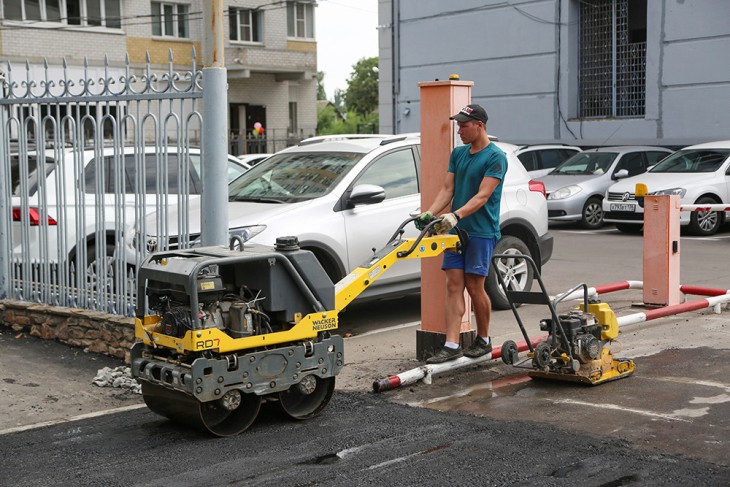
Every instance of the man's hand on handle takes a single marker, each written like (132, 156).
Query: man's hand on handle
(423, 220)
(448, 221)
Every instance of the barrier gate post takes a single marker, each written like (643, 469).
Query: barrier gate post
(439, 100)
(661, 250)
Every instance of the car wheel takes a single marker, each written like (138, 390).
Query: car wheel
(93, 268)
(517, 274)
(327, 263)
(592, 216)
(704, 222)
(629, 228)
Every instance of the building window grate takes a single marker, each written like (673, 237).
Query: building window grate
(612, 58)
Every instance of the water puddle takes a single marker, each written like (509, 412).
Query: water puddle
(471, 399)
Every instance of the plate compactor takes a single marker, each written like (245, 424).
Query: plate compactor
(577, 346)
(221, 330)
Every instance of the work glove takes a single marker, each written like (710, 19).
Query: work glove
(423, 220)
(448, 221)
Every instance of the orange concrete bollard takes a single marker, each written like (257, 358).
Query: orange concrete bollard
(439, 100)
(661, 250)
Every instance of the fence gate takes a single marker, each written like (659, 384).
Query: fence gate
(85, 154)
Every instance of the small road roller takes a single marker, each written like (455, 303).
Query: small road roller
(222, 330)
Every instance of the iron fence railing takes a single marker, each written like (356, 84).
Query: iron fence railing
(86, 153)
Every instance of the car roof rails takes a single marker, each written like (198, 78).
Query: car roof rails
(327, 138)
(400, 137)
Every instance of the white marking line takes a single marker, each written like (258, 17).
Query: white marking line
(697, 382)
(463, 393)
(384, 330)
(395, 460)
(704, 239)
(588, 232)
(643, 412)
(69, 420)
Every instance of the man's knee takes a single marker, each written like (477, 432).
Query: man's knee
(474, 284)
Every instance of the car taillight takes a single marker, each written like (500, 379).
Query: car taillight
(538, 186)
(34, 216)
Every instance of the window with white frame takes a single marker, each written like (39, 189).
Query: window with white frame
(300, 19)
(170, 19)
(245, 25)
(612, 58)
(101, 13)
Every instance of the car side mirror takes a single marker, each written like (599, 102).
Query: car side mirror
(621, 173)
(366, 194)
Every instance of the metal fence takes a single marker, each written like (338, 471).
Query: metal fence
(83, 161)
(241, 144)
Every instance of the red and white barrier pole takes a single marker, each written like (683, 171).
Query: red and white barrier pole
(716, 207)
(425, 372)
(675, 309)
(606, 288)
(703, 291)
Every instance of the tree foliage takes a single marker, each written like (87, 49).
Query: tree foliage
(321, 93)
(354, 110)
(361, 95)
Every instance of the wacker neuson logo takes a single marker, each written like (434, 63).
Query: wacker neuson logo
(325, 324)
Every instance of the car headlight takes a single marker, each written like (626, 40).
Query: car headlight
(246, 233)
(678, 191)
(565, 192)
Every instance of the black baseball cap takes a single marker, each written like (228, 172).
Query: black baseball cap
(471, 112)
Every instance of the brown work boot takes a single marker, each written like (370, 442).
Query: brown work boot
(479, 348)
(444, 355)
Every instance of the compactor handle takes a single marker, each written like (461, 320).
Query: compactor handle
(427, 231)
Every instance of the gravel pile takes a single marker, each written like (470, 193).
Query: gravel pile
(120, 377)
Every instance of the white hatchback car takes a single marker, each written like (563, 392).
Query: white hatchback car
(85, 209)
(699, 174)
(344, 198)
(539, 160)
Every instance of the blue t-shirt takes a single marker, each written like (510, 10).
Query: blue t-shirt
(469, 171)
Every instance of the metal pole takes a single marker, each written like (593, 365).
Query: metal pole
(214, 225)
(4, 199)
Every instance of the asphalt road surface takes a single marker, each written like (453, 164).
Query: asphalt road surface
(489, 425)
(359, 440)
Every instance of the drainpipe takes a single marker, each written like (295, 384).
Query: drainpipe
(214, 214)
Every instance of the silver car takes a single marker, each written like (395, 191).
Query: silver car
(575, 189)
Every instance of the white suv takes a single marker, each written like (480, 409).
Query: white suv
(345, 198)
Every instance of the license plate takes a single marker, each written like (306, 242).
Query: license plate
(622, 207)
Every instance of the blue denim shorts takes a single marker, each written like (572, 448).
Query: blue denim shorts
(476, 258)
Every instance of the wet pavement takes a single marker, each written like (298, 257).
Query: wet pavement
(677, 402)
